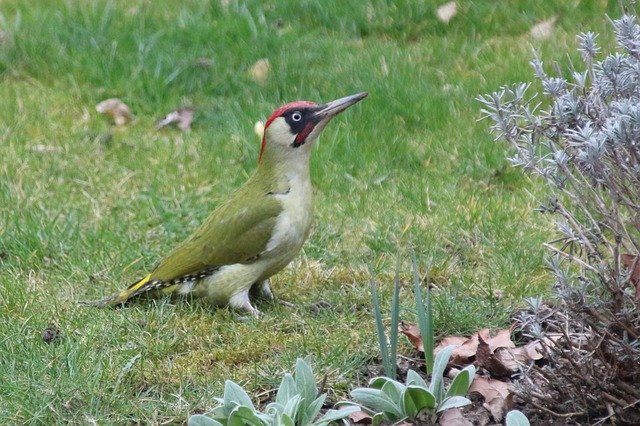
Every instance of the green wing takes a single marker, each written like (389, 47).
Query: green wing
(233, 233)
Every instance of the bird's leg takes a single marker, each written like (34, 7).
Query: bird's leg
(241, 301)
(263, 290)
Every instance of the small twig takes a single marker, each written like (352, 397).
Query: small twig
(571, 257)
(630, 389)
(553, 413)
(626, 407)
(611, 398)
(322, 384)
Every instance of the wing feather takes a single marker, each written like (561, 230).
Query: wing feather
(233, 233)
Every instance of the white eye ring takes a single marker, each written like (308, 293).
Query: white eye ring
(296, 116)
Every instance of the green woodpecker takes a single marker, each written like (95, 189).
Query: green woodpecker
(259, 229)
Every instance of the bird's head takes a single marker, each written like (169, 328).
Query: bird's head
(295, 126)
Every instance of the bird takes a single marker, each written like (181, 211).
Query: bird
(258, 230)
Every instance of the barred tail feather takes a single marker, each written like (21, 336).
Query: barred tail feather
(135, 289)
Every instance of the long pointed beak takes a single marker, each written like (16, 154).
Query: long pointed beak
(332, 108)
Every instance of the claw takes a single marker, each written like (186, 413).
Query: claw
(241, 301)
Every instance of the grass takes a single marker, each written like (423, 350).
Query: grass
(86, 209)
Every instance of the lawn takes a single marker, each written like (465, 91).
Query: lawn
(87, 208)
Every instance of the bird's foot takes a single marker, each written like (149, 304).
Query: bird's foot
(241, 301)
(285, 303)
(321, 305)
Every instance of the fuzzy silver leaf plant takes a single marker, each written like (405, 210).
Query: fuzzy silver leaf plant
(581, 136)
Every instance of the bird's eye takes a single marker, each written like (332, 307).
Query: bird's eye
(296, 116)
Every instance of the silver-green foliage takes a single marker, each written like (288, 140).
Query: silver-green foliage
(425, 316)
(581, 135)
(516, 418)
(388, 350)
(389, 400)
(297, 404)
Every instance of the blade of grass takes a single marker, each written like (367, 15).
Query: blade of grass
(395, 320)
(382, 338)
(425, 315)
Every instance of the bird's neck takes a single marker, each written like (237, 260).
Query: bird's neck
(276, 174)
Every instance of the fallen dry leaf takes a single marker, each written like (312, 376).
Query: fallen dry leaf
(447, 11)
(258, 129)
(451, 340)
(500, 339)
(514, 358)
(384, 68)
(260, 71)
(204, 62)
(543, 29)
(413, 334)
(485, 358)
(629, 261)
(466, 348)
(361, 417)
(494, 351)
(498, 407)
(497, 395)
(181, 117)
(534, 350)
(453, 372)
(454, 417)
(498, 294)
(117, 110)
(45, 149)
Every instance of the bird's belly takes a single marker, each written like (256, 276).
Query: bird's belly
(226, 282)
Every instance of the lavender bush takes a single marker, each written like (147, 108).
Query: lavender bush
(582, 137)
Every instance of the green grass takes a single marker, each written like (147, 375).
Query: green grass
(86, 209)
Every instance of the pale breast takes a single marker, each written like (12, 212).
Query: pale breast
(294, 223)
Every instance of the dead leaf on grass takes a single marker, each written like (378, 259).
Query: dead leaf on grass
(258, 129)
(498, 395)
(182, 117)
(260, 71)
(118, 111)
(413, 334)
(204, 62)
(384, 68)
(45, 149)
(543, 29)
(447, 11)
